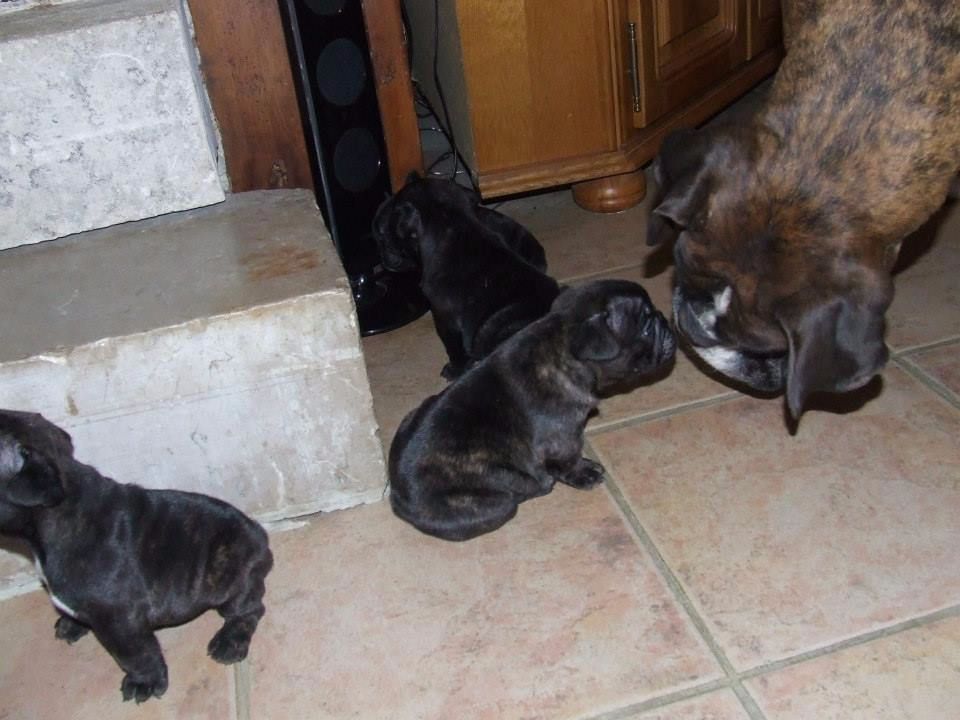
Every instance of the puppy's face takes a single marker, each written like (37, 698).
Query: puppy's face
(616, 331)
(31, 452)
(403, 222)
(774, 297)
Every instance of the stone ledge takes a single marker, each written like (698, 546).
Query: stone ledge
(109, 123)
(215, 350)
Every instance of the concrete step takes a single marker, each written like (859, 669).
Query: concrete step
(103, 118)
(214, 350)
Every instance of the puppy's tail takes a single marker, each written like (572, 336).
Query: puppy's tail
(456, 516)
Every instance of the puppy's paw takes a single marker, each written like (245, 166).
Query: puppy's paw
(585, 474)
(452, 371)
(69, 630)
(229, 645)
(144, 689)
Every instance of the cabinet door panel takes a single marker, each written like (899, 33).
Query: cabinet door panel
(685, 47)
(539, 79)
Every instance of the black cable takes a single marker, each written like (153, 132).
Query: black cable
(448, 130)
(436, 80)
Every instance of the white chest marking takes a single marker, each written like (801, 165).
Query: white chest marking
(721, 301)
(57, 602)
(719, 358)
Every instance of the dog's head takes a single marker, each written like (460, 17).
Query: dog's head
(32, 451)
(403, 223)
(615, 330)
(775, 292)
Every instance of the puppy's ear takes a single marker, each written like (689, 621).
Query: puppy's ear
(33, 480)
(835, 345)
(683, 185)
(600, 337)
(398, 236)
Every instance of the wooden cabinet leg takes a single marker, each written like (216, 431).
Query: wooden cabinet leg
(611, 194)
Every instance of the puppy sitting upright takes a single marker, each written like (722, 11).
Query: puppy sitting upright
(482, 273)
(122, 560)
(513, 425)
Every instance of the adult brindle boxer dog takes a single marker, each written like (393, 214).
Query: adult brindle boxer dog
(787, 227)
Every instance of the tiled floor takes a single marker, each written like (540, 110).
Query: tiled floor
(726, 571)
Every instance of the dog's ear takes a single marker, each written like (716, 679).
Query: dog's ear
(398, 236)
(683, 187)
(835, 345)
(29, 479)
(600, 337)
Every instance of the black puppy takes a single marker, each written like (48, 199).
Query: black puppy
(482, 273)
(122, 560)
(513, 425)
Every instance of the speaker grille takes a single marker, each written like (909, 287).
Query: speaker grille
(341, 73)
(325, 7)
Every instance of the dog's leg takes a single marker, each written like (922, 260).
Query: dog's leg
(458, 515)
(241, 614)
(467, 512)
(69, 630)
(452, 340)
(582, 474)
(138, 654)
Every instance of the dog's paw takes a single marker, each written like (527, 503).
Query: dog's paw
(452, 372)
(69, 630)
(585, 474)
(229, 645)
(141, 690)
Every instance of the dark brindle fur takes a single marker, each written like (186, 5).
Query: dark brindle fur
(789, 225)
(123, 561)
(512, 426)
(482, 272)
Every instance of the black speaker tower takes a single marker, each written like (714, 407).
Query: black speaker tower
(331, 60)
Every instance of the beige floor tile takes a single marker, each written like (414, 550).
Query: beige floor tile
(789, 543)
(941, 363)
(721, 705)
(403, 367)
(579, 242)
(558, 614)
(43, 678)
(913, 675)
(926, 303)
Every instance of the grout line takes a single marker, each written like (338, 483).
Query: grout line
(911, 349)
(910, 367)
(734, 679)
(662, 413)
(680, 594)
(728, 683)
(662, 700)
(601, 274)
(863, 639)
(242, 683)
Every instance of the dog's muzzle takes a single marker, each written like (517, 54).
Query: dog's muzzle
(696, 322)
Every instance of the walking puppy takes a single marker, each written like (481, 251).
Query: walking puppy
(482, 273)
(122, 560)
(512, 426)
(787, 228)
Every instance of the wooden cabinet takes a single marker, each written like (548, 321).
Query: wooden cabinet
(549, 92)
(684, 49)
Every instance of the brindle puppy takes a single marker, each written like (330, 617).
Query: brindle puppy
(123, 561)
(512, 426)
(482, 273)
(788, 227)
